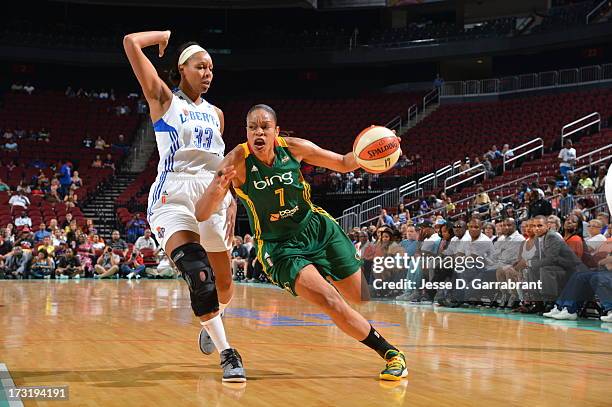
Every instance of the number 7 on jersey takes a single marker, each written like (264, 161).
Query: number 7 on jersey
(281, 193)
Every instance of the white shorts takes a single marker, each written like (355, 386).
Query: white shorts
(172, 201)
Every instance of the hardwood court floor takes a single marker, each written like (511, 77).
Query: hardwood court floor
(119, 343)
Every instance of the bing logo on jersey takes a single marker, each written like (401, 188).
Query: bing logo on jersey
(285, 178)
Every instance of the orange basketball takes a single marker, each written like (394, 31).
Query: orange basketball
(376, 149)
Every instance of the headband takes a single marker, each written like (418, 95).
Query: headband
(188, 52)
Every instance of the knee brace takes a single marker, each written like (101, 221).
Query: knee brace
(192, 262)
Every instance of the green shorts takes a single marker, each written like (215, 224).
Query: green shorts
(321, 243)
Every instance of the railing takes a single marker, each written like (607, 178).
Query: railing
(590, 73)
(427, 181)
(471, 197)
(596, 120)
(416, 192)
(595, 10)
(589, 165)
(413, 115)
(370, 217)
(384, 200)
(548, 78)
(568, 76)
(490, 85)
(528, 81)
(567, 204)
(348, 221)
(407, 189)
(351, 209)
(395, 124)
(602, 205)
(532, 148)
(509, 84)
(590, 154)
(431, 97)
(476, 167)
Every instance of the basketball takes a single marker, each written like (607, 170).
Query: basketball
(376, 149)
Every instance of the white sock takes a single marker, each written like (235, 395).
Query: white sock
(215, 329)
(222, 307)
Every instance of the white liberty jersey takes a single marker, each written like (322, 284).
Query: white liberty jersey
(189, 137)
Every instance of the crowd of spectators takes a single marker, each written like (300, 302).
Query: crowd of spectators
(538, 248)
(64, 251)
(62, 186)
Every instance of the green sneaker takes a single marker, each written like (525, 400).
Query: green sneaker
(396, 366)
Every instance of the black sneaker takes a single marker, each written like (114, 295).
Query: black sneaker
(231, 362)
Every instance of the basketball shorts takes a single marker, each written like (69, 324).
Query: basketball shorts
(172, 201)
(321, 243)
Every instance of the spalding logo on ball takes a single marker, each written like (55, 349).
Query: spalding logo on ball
(376, 149)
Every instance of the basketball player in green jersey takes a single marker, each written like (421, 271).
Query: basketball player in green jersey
(298, 243)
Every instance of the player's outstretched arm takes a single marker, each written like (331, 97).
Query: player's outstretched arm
(309, 152)
(156, 92)
(231, 171)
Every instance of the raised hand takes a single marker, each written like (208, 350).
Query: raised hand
(163, 43)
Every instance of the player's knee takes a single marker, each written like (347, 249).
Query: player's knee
(192, 262)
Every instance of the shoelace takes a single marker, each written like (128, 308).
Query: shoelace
(231, 360)
(395, 363)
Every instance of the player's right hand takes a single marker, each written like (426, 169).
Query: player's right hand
(164, 42)
(223, 177)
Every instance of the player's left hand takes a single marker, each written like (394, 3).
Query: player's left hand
(399, 139)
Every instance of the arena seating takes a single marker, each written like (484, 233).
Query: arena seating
(546, 166)
(332, 123)
(466, 128)
(68, 123)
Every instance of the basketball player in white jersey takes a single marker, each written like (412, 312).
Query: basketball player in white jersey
(188, 132)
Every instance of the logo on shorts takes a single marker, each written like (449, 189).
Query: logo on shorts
(164, 197)
(284, 159)
(160, 232)
(254, 169)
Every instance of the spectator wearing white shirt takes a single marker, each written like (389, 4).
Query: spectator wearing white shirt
(430, 239)
(567, 156)
(145, 241)
(97, 243)
(248, 242)
(28, 88)
(507, 250)
(596, 239)
(454, 247)
(476, 243)
(23, 220)
(507, 152)
(476, 249)
(19, 200)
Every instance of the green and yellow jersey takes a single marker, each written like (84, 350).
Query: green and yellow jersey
(290, 231)
(277, 198)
